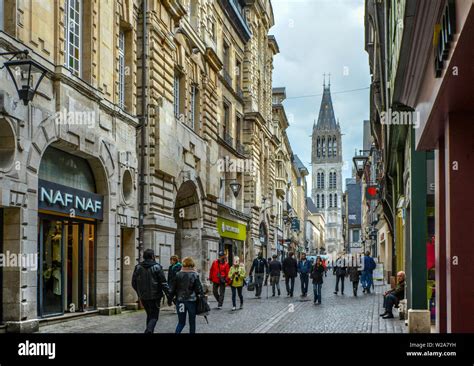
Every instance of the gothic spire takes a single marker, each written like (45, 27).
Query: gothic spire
(326, 119)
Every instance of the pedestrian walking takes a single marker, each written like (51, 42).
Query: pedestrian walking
(260, 266)
(290, 270)
(354, 277)
(185, 289)
(340, 270)
(275, 268)
(367, 272)
(219, 276)
(237, 277)
(149, 281)
(304, 269)
(175, 267)
(317, 277)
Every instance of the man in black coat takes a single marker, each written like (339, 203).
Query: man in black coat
(275, 271)
(290, 270)
(149, 282)
(260, 266)
(340, 270)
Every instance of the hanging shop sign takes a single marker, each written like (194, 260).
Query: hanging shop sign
(443, 36)
(295, 224)
(372, 193)
(231, 229)
(74, 202)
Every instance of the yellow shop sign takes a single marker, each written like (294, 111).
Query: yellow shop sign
(231, 229)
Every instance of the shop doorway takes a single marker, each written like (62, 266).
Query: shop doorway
(187, 215)
(67, 268)
(128, 261)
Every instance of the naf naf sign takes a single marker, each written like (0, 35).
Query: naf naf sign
(70, 201)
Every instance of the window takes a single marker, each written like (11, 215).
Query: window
(177, 94)
(322, 180)
(322, 200)
(194, 107)
(335, 200)
(72, 24)
(226, 57)
(334, 147)
(330, 200)
(355, 236)
(238, 129)
(238, 75)
(226, 123)
(2, 14)
(317, 201)
(318, 144)
(329, 147)
(121, 57)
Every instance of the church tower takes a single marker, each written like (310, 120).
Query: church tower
(326, 162)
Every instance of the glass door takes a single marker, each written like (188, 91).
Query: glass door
(51, 270)
(67, 277)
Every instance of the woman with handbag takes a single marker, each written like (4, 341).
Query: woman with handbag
(185, 290)
(237, 278)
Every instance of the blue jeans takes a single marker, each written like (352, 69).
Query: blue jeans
(183, 308)
(366, 279)
(317, 291)
(389, 301)
(304, 277)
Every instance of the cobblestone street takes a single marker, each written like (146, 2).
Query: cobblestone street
(336, 314)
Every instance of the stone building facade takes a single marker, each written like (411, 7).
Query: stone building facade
(184, 86)
(74, 141)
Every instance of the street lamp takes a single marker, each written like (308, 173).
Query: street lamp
(25, 73)
(360, 161)
(234, 186)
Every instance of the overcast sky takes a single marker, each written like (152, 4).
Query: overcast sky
(316, 37)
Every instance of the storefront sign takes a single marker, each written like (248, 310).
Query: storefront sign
(231, 229)
(71, 201)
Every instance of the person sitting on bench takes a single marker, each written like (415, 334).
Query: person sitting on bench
(392, 297)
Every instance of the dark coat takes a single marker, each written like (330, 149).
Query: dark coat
(260, 266)
(340, 268)
(399, 291)
(290, 267)
(172, 270)
(354, 274)
(317, 274)
(186, 286)
(149, 281)
(274, 268)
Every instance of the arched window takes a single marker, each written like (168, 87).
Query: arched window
(318, 148)
(330, 200)
(335, 147)
(323, 143)
(322, 180)
(329, 147)
(322, 200)
(334, 180)
(335, 200)
(317, 201)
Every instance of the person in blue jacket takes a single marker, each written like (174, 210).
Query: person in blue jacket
(304, 269)
(367, 272)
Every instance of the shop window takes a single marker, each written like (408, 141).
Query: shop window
(63, 168)
(7, 145)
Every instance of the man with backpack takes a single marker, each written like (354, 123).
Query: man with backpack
(149, 282)
(367, 272)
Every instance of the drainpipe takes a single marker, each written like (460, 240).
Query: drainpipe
(143, 123)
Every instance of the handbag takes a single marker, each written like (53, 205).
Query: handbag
(250, 284)
(202, 307)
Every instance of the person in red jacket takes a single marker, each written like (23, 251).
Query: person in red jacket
(219, 276)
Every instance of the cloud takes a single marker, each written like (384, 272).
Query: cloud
(316, 37)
